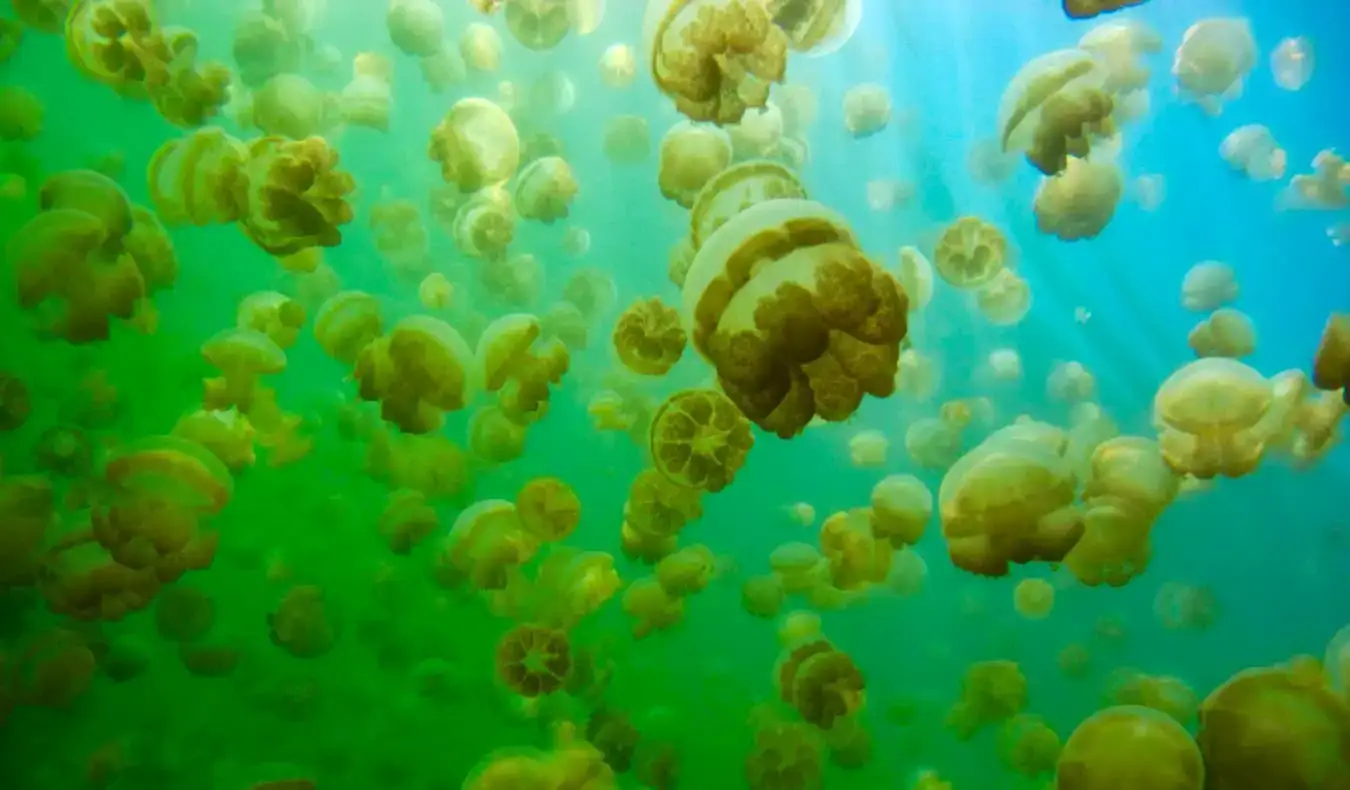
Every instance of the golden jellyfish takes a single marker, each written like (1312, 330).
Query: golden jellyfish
(1225, 333)
(274, 314)
(1327, 188)
(1058, 105)
(917, 375)
(549, 509)
(736, 188)
(1028, 745)
(418, 371)
(539, 25)
(1034, 598)
(933, 443)
(1079, 201)
(758, 134)
(1216, 416)
(435, 291)
(627, 139)
(798, 627)
(1011, 500)
(649, 338)
(15, 402)
(816, 29)
(346, 323)
(660, 507)
(21, 113)
(27, 510)
(485, 547)
(476, 145)
(887, 194)
(431, 465)
(481, 48)
(618, 66)
(867, 109)
(847, 315)
(302, 623)
(514, 280)
(591, 290)
(1004, 365)
(686, 571)
(1162, 693)
(416, 27)
(1130, 746)
(1213, 61)
(495, 437)
(1292, 63)
(296, 196)
(288, 105)
(785, 756)
(1331, 363)
(226, 433)
(1070, 382)
(1005, 300)
(867, 449)
(680, 258)
(908, 573)
(368, 99)
(970, 253)
(1086, 9)
(545, 190)
(714, 59)
(763, 596)
(533, 661)
(576, 241)
(700, 440)
(504, 348)
(856, 557)
(71, 264)
(407, 520)
(821, 682)
(991, 692)
(803, 514)
(690, 156)
(1252, 151)
(242, 356)
(1275, 727)
(651, 607)
(799, 565)
(1208, 285)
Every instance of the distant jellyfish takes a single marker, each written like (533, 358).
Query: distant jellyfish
(1293, 62)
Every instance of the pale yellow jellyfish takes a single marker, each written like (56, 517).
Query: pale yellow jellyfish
(867, 109)
(970, 252)
(481, 48)
(1141, 743)
(368, 99)
(1213, 60)
(1070, 382)
(1079, 202)
(902, 506)
(1252, 151)
(1292, 63)
(1004, 300)
(476, 145)
(618, 66)
(691, 154)
(545, 189)
(1004, 364)
(867, 449)
(1225, 333)
(627, 139)
(435, 291)
(916, 276)
(1208, 285)
(1034, 598)
(274, 314)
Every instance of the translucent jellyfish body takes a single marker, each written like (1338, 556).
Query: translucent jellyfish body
(1331, 363)
(736, 188)
(481, 48)
(714, 58)
(805, 329)
(296, 196)
(1225, 333)
(1292, 63)
(1216, 416)
(368, 99)
(817, 27)
(1010, 500)
(1252, 151)
(545, 189)
(1080, 200)
(627, 139)
(901, 509)
(916, 276)
(867, 109)
(533, 661)
(970, 252)
(193, 178)
(691, 155)
(241, 356)
(1275, 727)
(227, 434)
(1130, 744)
(686, 571)
(485, 548)
(421, 369)
(1057, 106)
(476, 145)
(1004, 300)
(416, 27)
(700, 440)
(274, 314)
(1327, 188)
(618, 66)
(540, 25)
(288, 105)
(21, 114)
(784, 755)
(1208, 285)
(346, 323)
(549, 509)
(821, 682)
(856, 557)
(1213, 61)
(867, 449)
(649, 338)
(991, 692)
(485, 224)
(651, 607)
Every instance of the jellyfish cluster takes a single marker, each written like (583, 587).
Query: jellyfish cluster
(550, 419)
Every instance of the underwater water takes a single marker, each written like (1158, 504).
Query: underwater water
(340, 447)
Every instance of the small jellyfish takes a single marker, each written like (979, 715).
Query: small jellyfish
(1034, 598)
(867, 449)
(1292, 63)
(534, 661)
